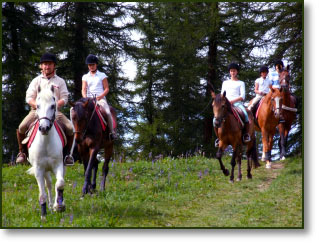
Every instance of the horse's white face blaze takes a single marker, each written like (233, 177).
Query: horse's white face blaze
(277, 98)
(46, 110)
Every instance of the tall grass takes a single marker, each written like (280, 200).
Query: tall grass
(190, 192)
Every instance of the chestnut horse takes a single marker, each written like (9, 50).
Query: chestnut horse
(288, 111)
(267, 121)
(90, 138)
(229, 132)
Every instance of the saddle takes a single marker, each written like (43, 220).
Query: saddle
(239, 115)
(34, 128)
(103, 117)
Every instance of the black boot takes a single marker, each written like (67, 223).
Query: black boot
(68, 160)
(246, 136)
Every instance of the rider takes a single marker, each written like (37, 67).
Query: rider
(235, 93)
(95, 83)
(47, 77)
(262, 85)
(274, 77)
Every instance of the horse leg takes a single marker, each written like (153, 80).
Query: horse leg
(233, 164)
(239, 177)
(95, 168)
(59, 205)
(88, 172)
(266, 147)
(108, 149)
(39, 175)
(219, 157)
(48, 183)
(281, 141)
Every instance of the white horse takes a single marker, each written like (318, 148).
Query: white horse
(46, 152)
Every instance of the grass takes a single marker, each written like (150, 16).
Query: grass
(169, 193)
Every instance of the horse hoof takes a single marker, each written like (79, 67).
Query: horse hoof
(282, 158)
(231, 181)
(43, 218)
(238, 179)
(59, 208)
(249, 177)
(268, 165)
(226, 172)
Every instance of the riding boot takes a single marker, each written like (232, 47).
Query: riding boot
(68, 160)
(246, 136)
(112, 136)
(22, 155)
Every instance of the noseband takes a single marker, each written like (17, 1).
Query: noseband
(50, 120)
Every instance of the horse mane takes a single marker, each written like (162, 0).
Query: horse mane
(218, 100)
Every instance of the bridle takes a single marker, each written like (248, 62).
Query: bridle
(221, 119)
(87, 125)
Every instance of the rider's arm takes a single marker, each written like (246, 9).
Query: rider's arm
(106, 89)
(84, 88)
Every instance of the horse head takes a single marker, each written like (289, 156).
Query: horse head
(276, 101)
(220, 107)
(80, 116)
(284, 78)
(46, 108)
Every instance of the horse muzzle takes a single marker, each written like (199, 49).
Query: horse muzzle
(217, 122)
(44, 129)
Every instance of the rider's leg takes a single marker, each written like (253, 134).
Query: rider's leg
(106, 111)
(68, 159)
(23, 127)
(246, 136)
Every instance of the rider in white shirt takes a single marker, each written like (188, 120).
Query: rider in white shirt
(235, 93)
(95, 84)
(262, 86)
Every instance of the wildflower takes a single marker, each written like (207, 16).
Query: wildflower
(200, 174)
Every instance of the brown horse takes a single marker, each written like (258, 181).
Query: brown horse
(267, 121)
(288, 110)
(90, 138)
(229, 132)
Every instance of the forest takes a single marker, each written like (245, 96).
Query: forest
(165, 109)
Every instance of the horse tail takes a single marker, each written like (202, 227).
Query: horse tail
(254, 154)
(31, 171)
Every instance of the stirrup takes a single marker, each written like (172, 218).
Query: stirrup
(217, 142)
(246, 138)
(68, 160)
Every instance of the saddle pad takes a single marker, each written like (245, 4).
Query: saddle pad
(34, 129)
(102, 119)
(237, 112)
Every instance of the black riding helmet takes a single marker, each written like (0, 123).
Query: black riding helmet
(279, 62)
(233, 66)
(91, 59)
(48, 57)
(263, 69)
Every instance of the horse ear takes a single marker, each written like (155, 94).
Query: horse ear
(213, 94)
(84, 105)
(224, 94)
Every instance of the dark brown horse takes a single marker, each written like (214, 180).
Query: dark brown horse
(267, 120)
(90, 138)
(229, 132)
(288, 110)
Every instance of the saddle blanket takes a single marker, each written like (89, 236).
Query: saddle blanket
(102, 120)
(34, 128)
